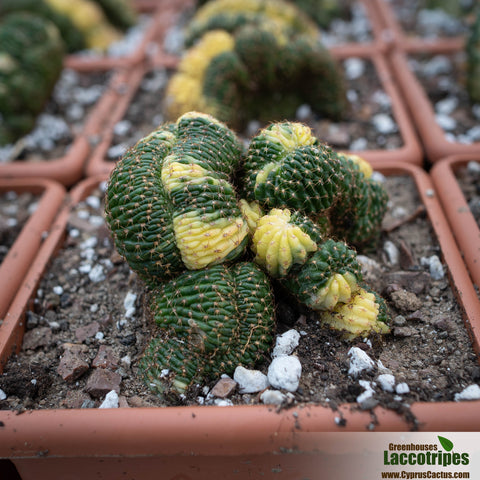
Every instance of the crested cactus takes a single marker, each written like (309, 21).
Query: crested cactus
(363, 314)
(472, 49)
(259, 70)
(211, 321)
(287, 167)
(175, 216)
(31, 60)
(170, 204)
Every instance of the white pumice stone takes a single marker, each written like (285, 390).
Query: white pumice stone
(359, 362)
(284, 372)
(402, 388)
(472, 392)
(111, 400)
(273, 397)
(386, 382)
(250, 381)
(286, 343)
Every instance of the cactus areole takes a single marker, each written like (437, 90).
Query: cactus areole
(211, 257)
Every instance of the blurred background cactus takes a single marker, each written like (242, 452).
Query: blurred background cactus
(31, 60)
(256, 60)
(472, 50)
(83, 24)
(35, 35)
(230, 15)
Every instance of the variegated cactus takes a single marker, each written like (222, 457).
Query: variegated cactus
(365, 313)
(170, 204)
(210, 322)
(230, 15)
(257, 70)
(176, 217)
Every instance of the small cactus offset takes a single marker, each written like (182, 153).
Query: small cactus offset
(31, 60)
(213, 320)
(170, 204)
(472, 50)
(282, 239)
(363, 314)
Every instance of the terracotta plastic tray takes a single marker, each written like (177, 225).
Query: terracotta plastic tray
(459, 215)
(182, 441)
(22, 253)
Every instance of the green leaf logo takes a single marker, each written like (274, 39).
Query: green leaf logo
(446, 443)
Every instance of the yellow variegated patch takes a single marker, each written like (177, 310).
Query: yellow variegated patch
(291, 135)
(196, 59)
(202, 243)
(364, 166)
(263, 173)
(279, 244)
(357, 317)
(176, 174)
(251, 212)
(339, 289)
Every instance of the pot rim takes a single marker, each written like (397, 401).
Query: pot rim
(267, 421)
(21, 254)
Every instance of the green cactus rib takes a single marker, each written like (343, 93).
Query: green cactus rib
(210, 321)
(31, 60)
(329, 276)
(169, 203)
(472, 50)
(287, 167)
